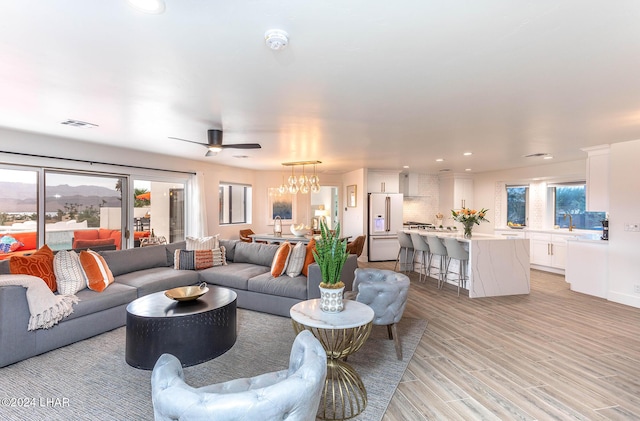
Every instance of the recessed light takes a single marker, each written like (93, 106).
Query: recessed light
(467, 169)
(548, 157)
(440, 160)
(467, 153)
(154, 7)
(405, 167)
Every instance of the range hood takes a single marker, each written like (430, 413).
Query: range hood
(409, 184)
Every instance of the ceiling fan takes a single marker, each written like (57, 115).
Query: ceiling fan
(214, 143)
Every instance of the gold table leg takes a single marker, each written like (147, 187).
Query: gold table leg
(344, 395)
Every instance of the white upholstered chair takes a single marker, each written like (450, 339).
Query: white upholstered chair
(386, 292)
(292, 394)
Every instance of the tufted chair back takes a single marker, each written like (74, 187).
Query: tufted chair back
(292, 394)
(385, 291)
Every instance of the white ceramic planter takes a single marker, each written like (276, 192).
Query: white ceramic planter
(331, 299)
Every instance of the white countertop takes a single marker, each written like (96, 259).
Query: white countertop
(458, 235)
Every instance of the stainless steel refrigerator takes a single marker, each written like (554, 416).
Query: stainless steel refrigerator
(385, 220)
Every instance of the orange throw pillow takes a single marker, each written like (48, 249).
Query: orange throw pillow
(99, 276)
(38, 264)
(280, 260)
(308, 258)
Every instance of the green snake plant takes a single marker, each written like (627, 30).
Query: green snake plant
(330, 254)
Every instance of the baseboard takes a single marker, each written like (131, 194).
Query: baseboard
(626, 299)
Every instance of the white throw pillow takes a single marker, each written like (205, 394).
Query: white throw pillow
(296, 259)
(203, 243)
(70, 276)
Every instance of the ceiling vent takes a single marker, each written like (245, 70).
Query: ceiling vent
(78, 123)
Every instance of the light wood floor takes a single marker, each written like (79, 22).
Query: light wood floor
(553, 354)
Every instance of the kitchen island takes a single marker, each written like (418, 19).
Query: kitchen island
(497, 265)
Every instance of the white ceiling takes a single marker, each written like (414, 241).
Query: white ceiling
(363, 83)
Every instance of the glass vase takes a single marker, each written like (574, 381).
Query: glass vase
(468, 226)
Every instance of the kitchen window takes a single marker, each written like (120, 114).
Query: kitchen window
(570, 199)
(517, 200)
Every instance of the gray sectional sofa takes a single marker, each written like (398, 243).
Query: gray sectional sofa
(142, 271)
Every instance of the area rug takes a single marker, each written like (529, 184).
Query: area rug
(90, 380)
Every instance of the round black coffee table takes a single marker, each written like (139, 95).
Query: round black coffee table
(194, 331)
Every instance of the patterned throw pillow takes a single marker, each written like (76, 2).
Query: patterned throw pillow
(281, 259)
(296, 260)
(203, 243)
(38, 264)
(9, 244)
(69, 274)
(198, 259)
(308, 258)
(98, 274)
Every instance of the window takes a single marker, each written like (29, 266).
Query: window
(570, 199)
(77, 202)
(19, 206)
(235, 203)
(517, 199)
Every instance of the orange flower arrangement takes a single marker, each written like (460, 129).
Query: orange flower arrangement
(470, 216)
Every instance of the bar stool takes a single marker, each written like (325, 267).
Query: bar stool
(457, 252)
(420, 245)
(405, 243)
(438, 249)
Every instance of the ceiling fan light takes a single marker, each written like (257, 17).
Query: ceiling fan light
(215, 149)
(148, 6)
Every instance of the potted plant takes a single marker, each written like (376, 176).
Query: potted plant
(330, 254)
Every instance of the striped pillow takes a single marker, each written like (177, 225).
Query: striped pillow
(203, 243)
(98, 274)
(69, 274)
(198, 259)
(296, 260)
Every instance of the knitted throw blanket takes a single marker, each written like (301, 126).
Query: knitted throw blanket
(46, 308)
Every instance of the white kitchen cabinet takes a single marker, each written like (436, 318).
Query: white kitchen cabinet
(456, 191)
(510, 233)
(587, 267)
(549, 250)
(383, 182)
(597, 194)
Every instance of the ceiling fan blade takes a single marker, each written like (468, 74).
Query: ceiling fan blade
(187, 140)
(243, 146)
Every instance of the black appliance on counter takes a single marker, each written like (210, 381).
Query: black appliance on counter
(605, 229)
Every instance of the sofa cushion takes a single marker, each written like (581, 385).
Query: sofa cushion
(148, 281)
(284, 286)
(230, 248)
(233, 275)
(38, 264)
(97, 271)
(92, 302)
(70, 276)
(296, 260)
(203, 243)
(309, 259)
(131, 260)
(171, 249)
(91, 234)
(256, 253)
(281, 259)
(85, 244)
(198, 259)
